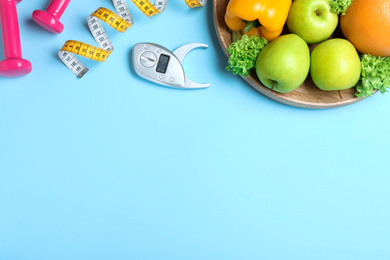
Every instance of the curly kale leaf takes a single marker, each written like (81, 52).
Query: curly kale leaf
(243, 54)
(375, 75)
(339, 6)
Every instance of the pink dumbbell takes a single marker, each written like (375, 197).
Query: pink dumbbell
(50, 19)
(13, 65)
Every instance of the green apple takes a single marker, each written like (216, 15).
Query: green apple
(312, 20)
(284, 63)
(335, 65)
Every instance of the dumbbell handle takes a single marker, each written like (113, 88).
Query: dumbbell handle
(57, 7)
(13, 65)
(10, 29)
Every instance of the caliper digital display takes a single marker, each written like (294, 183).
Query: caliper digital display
(162, 64)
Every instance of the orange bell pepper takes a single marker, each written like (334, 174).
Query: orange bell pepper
(272, 15)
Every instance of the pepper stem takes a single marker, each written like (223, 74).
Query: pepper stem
(249, 25)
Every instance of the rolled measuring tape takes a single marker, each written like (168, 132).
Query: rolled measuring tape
(120, 21)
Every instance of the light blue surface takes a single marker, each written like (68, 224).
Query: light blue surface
(111, 166)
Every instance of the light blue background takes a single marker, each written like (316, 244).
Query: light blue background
(111, 166)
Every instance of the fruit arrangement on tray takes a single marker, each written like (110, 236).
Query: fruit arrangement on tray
(309, 53)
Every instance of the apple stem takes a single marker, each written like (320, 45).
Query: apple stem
(273, 85)
(317, 13)
(341, 96)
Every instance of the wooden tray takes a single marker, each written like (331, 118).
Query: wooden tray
(306, 96)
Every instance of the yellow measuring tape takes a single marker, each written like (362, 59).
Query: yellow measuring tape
(120, 21)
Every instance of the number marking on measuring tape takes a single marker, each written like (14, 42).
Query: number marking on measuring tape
(148, 8)
(120, 21)
(195, 3)
(159, 6)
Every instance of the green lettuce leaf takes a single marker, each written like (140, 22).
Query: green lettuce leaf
(243, 54)
(339, 6)
(375, 75)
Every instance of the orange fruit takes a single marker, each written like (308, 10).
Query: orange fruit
(366, 24)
